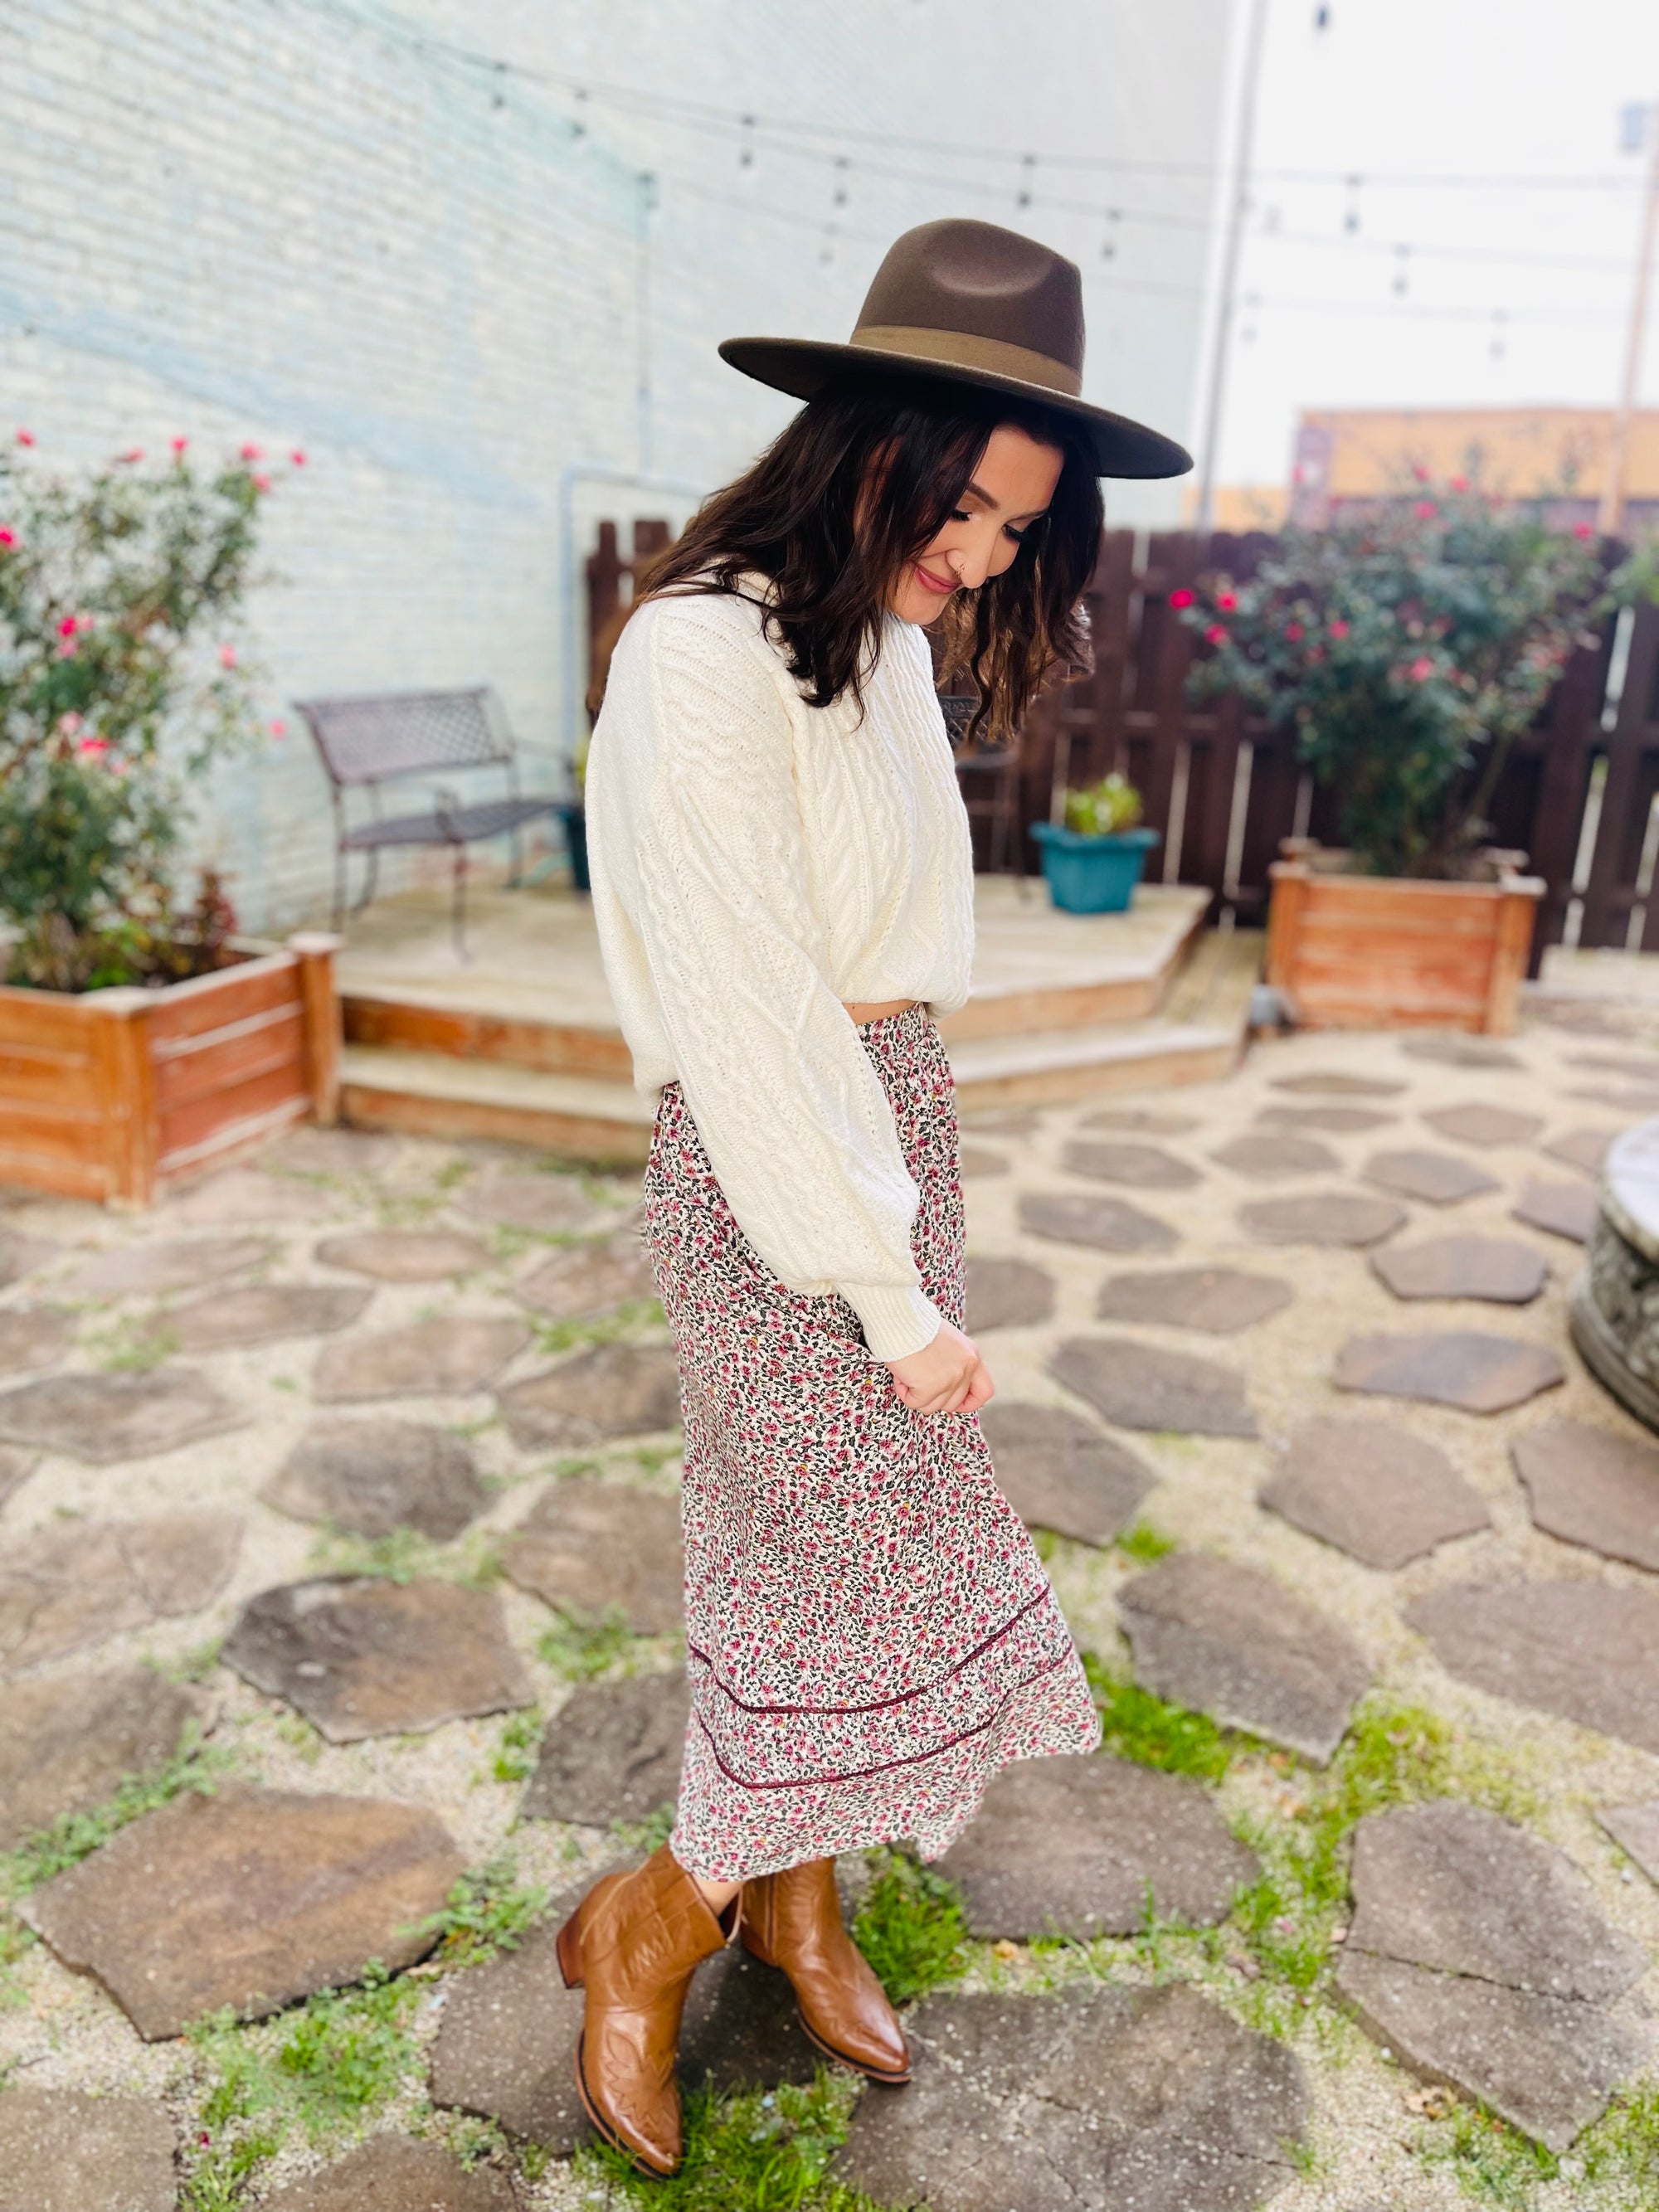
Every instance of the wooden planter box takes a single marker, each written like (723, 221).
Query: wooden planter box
(1377, 952)
(110, 1095)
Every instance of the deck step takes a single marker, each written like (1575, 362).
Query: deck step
(432, 1094)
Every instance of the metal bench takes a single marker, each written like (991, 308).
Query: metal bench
(379, 738)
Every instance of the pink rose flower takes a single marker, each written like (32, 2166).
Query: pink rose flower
(93, 748)
(69, 723)
(1425, 510)
(1460, 483)
(179, 444)
(1294, 633)
(1421, 669)
(1181, 597)
(67, 648)
(1582, 530)
(132, 453)
(251, 452)
(1226, 601)
(1216, 634)
(298, 458)
(278, 726)
(26, 437)
(1338, 629)
(226, 656)
(1420, 473)
(67, 626)
(262, 484)
(8, 538)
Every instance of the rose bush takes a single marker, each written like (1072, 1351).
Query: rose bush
(121, 676)
(1409, 647)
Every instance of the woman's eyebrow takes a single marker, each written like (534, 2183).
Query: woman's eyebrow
(980, 493)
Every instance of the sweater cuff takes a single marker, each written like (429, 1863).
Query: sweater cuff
(896, 1322)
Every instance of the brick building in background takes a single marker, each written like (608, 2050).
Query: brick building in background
(342, 226)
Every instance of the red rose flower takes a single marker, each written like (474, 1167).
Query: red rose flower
(1216, 634)
(1338, 629)
(1181, 597)
(1294, 633)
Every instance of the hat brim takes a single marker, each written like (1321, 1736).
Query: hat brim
(802, 367)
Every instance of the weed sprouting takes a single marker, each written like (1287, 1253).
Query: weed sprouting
(485, 1912)
(581, 1646)
(1490, 2160)
(1143, 1544)
(757, 2148)
(911, 1927)
(1136, 1724)
(1623, 2146)
(403, 1555)
(630, 1319)
(517, 1746)
(646, 1836)
(195, 1766)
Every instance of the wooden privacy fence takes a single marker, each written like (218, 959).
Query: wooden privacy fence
(1580, 795)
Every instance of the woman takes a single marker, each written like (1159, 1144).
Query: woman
(783, 886)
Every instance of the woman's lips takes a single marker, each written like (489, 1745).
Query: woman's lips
(943, 584)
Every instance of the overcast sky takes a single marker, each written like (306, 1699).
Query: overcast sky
(1506, 88)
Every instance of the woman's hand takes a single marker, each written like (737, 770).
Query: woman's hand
(945, 1376)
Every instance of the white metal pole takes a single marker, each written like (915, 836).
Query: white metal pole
(1610, 517)
(1256, 38)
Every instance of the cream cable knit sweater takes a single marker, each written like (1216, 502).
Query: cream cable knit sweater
(757, 862)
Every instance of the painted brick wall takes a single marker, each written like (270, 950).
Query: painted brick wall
(330, 224)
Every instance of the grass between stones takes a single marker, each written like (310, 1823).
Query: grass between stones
(403, 1555)
(1137, 1725)
(581, 1646)
(486, 1912)
(636, 1317)
(911, 1927)
(753, 2151)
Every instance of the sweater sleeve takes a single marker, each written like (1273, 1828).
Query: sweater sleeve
(791, 1112)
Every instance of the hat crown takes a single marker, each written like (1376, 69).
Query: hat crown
(981, 281)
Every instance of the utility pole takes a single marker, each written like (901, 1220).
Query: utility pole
(1256, 38)
(1610, 519)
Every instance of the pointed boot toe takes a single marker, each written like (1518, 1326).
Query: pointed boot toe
(792, 1920)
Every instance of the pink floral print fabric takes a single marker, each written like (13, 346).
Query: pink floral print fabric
(870, 1633)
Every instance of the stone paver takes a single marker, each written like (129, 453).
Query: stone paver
(398, 2173)
(1589, 1650)
(36, 1337)
(1452, 1049)
(364, 1656)
(1148, 1120)
(1335, 1120)
(264, 1313)
(63, 2151)
(1336, 1217)
(1268, 1154)
(1142, 1167)
(104, 1418)
(1059, 1472)
(250, 1898)
(1008, 1294)
(520, 1201)
(250, 1194)
(437, 1358)
(1141, 1386)
(1097, 2100)
(1076, 1844)
(21, 1256)
(173, 1264)
(67, 1742)
(608, 1390)
(1495, 1269)
(505, 2046)
(1564, 1209)
(1436, 1178)
(1218, 1301)
(1613, 1063)
(405, 1255)
(1590, 1486)
(611, 1752)
(1581, 1148)
(16, 1468)
(1483, 1124)
(1478, 1956)
(1107, 1224)
(1242, 1646)
(1465, 1367)
(1338, 1083)
(585, 1281)
(373, 1476)
(1635, 1828)
(80, 1582)
(981, 1160)
(1374, 1490)
(592, 1546)
(309, 1150)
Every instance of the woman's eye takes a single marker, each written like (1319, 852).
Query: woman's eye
(960, 514)
(1018, 536)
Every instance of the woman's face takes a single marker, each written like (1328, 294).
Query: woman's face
(1012, 485)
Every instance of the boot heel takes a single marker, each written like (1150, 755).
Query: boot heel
(569, 1948)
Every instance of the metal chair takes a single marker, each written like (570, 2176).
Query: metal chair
(367, 742)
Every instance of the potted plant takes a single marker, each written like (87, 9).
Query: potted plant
(1093, 857)
(139, 1039)
(1408, 647)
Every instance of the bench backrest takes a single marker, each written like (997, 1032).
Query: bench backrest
(378, 735)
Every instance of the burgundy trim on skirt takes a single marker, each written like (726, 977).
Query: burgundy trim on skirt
(870, 1633)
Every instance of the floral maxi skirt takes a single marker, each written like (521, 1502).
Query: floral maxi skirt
(869, 1634)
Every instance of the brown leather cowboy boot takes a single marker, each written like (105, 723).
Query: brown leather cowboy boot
(792, 1920)
(636, 1941)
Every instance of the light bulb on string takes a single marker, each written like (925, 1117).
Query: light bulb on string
(746, 148)
(578, 128)
(839, 196)
(1499, 345)
(1109, 244)
(1321, 18)
(1350, 213)
(1027, 169)
(1401, 272)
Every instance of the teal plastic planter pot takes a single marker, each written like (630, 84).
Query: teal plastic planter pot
(1092, 875)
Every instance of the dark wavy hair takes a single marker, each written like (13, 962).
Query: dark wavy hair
(800, 518)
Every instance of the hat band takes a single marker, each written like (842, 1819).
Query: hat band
(961, 350)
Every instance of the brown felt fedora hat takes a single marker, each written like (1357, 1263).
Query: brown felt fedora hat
(973, 304)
